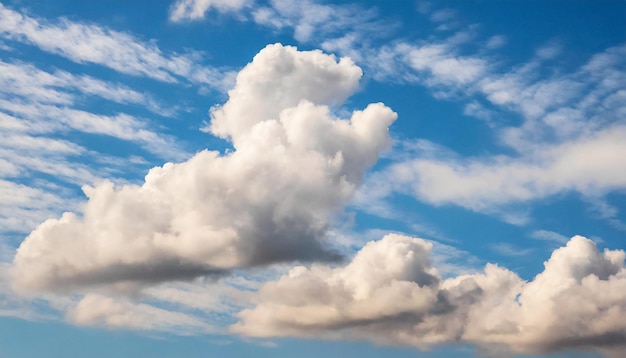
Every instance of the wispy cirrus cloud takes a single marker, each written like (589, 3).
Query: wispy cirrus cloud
(325, 21)
(41, 111)
(121, 126)
(64, 88)
(122, 52)
(26, 206)
(333, 27)
(183, 10)
(570, 140)
(547, 235)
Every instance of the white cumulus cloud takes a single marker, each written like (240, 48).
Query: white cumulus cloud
(269, 200)
(391, 294)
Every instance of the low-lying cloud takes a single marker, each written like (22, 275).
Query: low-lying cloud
(390, 294)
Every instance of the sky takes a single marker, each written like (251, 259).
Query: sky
(210, 178)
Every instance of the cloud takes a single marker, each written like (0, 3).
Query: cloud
(24, 207)
(440, 65)
(31, 131)
(196, 9)
(444, 66)
(100, 310)
(294, 165)
(547, 235)
(40, 115)
(346, 29)
(390, 294)
(63, 88)
(38, 108)
(506, 249)
(443, 15)
(269, 86)
(122, 52)
(307, 18)
(496, 41)
(374, 285)
(38, 118)
(562, 106)
(570, 139)
(591, 166)
(333, 27)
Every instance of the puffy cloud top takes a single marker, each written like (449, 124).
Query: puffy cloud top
(279, 78)
(293, 166)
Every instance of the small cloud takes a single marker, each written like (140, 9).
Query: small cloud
(549, 51)
(100, 310)
(191, 10)
(261, 342)
(424, 7)
(443, 15)
(510, 250)
(496, 41)
(477, 110)
(547, 235)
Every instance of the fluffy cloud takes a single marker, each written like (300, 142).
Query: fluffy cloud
(280, 79)
(269, 200)
(390, 294)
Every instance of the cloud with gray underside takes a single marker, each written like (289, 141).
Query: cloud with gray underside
(391, 294)
(293, 166)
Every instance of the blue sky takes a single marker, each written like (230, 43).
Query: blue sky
(299, 178)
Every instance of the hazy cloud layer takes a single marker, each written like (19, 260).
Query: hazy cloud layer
(390, 294)
(269, 200)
